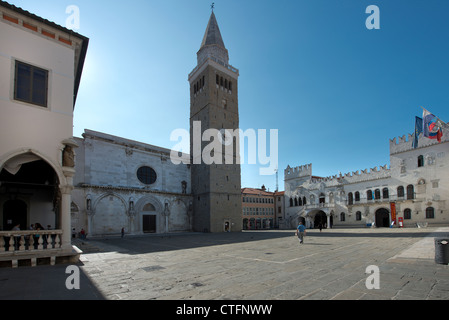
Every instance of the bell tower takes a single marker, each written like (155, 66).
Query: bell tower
(216, 185)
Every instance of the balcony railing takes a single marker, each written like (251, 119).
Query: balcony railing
(391, 198)
(23, 242)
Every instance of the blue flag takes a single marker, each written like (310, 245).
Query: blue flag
(418, 130)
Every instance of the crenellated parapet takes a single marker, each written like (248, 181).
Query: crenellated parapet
(405, 143)
(298, 172)
(375, 173)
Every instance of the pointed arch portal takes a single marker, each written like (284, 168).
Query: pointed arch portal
(382, 218)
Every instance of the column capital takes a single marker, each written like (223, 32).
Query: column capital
(67, 189)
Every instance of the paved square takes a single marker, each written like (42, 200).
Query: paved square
(267, 265)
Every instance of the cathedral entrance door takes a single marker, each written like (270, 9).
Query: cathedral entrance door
(149, 224)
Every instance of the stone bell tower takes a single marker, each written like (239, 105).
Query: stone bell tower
(216, 185)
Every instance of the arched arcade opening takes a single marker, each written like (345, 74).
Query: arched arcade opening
(29, 194)
(382, 218)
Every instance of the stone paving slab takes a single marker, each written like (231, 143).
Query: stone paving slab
(253, 265)
(271, 265)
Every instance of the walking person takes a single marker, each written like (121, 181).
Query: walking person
(123, 232)
(301, 232)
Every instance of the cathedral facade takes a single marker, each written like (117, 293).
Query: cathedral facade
(413, 191)
(120, 183)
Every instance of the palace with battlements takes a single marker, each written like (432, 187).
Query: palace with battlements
(412, 191)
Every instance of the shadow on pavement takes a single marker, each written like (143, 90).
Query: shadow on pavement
(45, 283)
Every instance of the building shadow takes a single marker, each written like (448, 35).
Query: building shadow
(45, 282)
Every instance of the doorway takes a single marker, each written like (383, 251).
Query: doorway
(382, 218)
(320, 219)
(149, 224)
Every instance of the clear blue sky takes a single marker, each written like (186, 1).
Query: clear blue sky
(336, 91)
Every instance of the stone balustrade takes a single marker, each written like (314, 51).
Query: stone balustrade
(14, 242)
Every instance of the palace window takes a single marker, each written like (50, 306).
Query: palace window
(146, 175)
(322, 198)
(407, 214)
(410, 192)
(350, 198)
(30, 84)
(377, 194)
(385, 193)
(342, 216)
(369, 195)
(358, 216)
(420, 161)
(400, 192)
(357, 196)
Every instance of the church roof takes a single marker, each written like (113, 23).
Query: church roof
(212, 35)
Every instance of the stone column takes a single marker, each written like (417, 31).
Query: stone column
(166, 214)
(65, 213)
(65, 220)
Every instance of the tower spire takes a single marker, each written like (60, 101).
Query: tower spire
(213, 44)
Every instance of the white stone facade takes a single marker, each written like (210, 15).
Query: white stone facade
(415, 187)
(40, 70)
(109, 196)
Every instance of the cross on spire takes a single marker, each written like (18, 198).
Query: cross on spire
(212, 6)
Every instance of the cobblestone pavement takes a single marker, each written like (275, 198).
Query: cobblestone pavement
(268, 265)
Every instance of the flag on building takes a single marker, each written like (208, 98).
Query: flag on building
(418, 131)
(431, 129)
